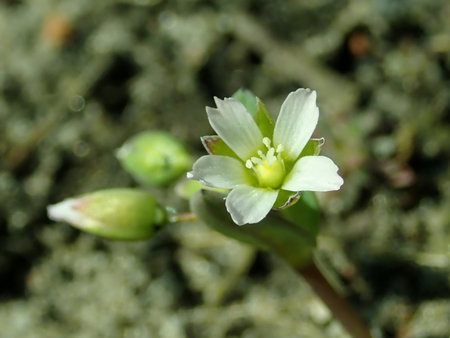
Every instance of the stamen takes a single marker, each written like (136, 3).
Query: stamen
(268, 166)
(260, 153)
(270, 156)
(256, 160)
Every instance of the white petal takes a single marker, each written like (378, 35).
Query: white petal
(64, 211)
(296, 122)
(250, 205)
(220, 172)
(68, 211)
(313, 173)
(234, 124)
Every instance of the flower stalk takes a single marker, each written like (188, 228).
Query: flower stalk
(183, 217)
(340, 308)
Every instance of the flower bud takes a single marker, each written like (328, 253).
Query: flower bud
(121, 213)
(154, 158)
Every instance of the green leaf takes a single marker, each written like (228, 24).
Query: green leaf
(285, 239)
(305, 213)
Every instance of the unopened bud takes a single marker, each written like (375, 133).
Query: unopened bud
(154, 158)
(121, 213)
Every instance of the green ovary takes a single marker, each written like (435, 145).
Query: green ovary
(269, 167)
(271, 176)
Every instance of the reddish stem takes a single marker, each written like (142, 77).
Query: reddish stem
(340, 308)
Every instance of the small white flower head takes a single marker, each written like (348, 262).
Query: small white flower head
(265, 164)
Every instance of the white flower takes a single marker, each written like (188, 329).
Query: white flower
(264, 164)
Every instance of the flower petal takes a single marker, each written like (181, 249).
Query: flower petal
(296, 122)
(250, 205)
(234, 124)
(220, 172)
(68, 211)
(313, 173)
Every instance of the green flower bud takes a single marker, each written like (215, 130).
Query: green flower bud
(154, 158)
(121, 213)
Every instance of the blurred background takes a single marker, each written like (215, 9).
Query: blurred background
(78, 78)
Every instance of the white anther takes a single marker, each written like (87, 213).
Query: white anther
(256, 160)
(265, 159)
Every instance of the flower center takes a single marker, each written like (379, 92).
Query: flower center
(268, 167)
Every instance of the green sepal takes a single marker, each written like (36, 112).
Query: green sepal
(305, 212)
(273, 233)
(313, 147)
(264, 120)
(258, 110)
(248, 99)
(214, 145)
(285, 199)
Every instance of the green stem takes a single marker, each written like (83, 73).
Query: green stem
(184, 217)
(340, 308)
